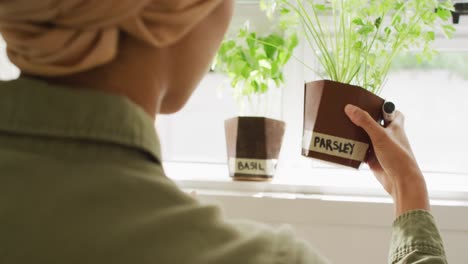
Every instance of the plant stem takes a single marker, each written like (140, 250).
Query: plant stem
(336, 54)
(317, 35)
(396, 50)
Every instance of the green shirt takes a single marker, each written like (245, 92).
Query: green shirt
(81, 182)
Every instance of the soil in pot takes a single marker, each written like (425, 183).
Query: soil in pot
(329, 135)
(253, 147)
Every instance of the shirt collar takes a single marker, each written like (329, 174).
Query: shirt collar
(33, 107)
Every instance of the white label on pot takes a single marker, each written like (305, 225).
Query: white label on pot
(253, 166)
(336, 146)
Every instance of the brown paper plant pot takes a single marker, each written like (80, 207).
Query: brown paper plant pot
(329, 135)
(253, 147)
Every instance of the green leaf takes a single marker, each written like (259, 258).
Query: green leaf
(263, 87)
(320, 7)
(265, 64)
(447, 5)
(358, 45)
(401, 28)
(371, 58)
(275, 69)
(255, 86)
(448, 30)
(293, 42)
(387, 31)
(378, 22)
(444, 14)
(366, 29)
(251, 40)
(238, 66)
(284, 11)
(358, 21)
(398, 5)
(234, 82)
(396, 20)
(430, 36)
(271, 44)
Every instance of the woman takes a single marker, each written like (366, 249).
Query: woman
(81, 177)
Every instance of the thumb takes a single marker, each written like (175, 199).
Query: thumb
(362, 119)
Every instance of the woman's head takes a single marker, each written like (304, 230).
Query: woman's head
(174, 40)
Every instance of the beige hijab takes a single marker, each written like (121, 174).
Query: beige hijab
(60, 37)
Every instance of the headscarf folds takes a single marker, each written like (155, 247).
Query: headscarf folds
(60, 37)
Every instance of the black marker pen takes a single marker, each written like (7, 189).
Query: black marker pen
(388, 110)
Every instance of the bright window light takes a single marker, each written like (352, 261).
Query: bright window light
(431, 95)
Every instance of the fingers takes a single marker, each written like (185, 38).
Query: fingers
(399, 119)
(397, 126)
(362, 119)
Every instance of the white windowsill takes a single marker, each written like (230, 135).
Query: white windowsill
(318, 200)
(318, 183)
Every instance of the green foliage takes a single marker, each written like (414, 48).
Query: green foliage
(254, 62)
(363, 37)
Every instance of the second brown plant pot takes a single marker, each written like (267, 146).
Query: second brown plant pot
(329, 135)
(253, 147)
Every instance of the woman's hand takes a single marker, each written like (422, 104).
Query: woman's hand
(392, 161)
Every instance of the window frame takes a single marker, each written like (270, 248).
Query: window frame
(213, 177)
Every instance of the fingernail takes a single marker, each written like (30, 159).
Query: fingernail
(350, 109)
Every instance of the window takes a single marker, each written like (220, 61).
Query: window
(431, 95)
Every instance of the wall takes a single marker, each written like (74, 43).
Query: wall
(344, 231)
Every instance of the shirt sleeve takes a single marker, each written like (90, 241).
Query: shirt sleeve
(416, 239)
